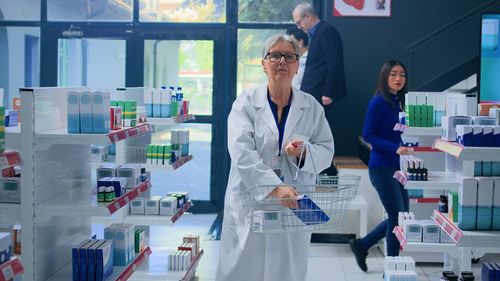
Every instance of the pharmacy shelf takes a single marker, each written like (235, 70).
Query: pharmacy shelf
(80, 201)
(156, 269)
(174, 166)
(421, 246)
(422, 131)
(468, 153)
(170, 121)
(157, 219)
(9, 159)
(436, 181)
(11, 269)
(464, 238)
(120, 273)
(60, 136)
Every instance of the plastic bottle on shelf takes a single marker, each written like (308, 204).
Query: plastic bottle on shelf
(180, 98)
(174, 105)
(144, 176)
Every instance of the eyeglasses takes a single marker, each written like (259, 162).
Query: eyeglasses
(276, 57)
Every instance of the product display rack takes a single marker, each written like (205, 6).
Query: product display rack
(174, 166)
(156, 269)
(436, 181)
(120, 273)
(11, 269)
(459, 161)
(57, 175)
(421, 246)
(157, 219)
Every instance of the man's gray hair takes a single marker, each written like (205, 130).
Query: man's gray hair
(278, 38)
(305, 8)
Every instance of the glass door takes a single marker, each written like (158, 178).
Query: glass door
(189, 62)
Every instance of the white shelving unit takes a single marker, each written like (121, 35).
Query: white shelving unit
(156, 269)
(57, 196)
(459, 164)
(436, 181)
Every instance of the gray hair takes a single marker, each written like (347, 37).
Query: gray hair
(305, 8)
(278, 38)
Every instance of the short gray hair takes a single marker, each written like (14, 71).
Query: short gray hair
(305, 8)
(278, 38)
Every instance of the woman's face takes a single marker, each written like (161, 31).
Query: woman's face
(279, 70)
(397, 79)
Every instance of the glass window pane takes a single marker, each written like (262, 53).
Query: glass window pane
(185, 63)
(97, 63)
(182, 10)
(278, 11)
(25, 10)
(89, 10)
(250, 46)
(20, 60)
(194, 176)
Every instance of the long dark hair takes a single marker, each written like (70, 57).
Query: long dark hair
(383, 85)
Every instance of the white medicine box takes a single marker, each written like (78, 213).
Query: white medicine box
(137, 206)
(152, 206)
(168, 205)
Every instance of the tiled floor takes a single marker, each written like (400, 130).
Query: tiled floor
(326, 261)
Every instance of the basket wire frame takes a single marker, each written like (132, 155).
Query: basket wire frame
(320, 207)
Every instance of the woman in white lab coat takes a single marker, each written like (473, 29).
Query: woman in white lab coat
(267, 127)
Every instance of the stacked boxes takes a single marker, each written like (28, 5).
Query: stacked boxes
(467, 205)
(158, 205)
(180, 143)
(123, 238)
(478, 135)
(484, 203)
(496, 205)
(181, 258)
(129, 112)
(88, 112)
(399, 268)
(92, 259)
(424, 109)
(159, 154)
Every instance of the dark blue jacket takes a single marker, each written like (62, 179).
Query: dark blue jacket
(379, 132)
(324, 73)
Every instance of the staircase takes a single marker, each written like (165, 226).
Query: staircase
(448, 55)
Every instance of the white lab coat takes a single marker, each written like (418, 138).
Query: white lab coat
(253, 147)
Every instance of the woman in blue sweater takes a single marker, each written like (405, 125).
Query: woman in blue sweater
(381, 116)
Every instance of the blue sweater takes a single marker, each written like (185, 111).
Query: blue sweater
(379, 133)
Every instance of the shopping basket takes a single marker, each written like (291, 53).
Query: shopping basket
(318, 207)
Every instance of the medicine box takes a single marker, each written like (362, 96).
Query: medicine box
(86, 113)
(137, 206)
(73, 112)
(100, 112)
(168, 205)
(152, 206)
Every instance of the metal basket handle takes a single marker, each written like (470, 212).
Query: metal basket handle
(294, 180)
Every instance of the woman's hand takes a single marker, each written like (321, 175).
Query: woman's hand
(294, 148)
(286, 195)
(405, 150)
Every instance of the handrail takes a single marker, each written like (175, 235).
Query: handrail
(449, 26)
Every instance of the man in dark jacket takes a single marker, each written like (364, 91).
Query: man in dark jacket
(324, 74)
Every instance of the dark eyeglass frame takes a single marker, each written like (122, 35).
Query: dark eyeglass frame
(289, 58)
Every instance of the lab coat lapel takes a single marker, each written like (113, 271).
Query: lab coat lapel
(294, 115)
(264, 110)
